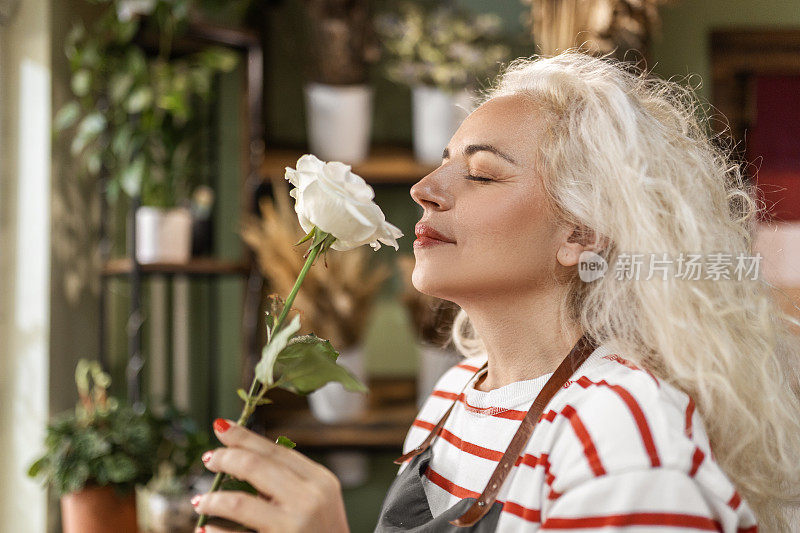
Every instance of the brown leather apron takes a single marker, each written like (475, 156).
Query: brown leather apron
(406, 508)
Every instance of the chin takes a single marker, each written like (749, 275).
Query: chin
(434, 286)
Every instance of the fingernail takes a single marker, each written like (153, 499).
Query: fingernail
(196, 499)
(221, 425)
(201, 529)
(206, 456)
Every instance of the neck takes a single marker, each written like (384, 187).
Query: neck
(518, 346)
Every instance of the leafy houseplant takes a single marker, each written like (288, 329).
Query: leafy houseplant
(136, 117)
(96, 455)
(165, 498)
(442, 52)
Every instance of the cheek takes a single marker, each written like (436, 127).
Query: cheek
(519, 224)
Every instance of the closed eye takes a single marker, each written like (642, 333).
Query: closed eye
(477, 178)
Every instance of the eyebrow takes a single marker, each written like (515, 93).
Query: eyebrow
(473, 148)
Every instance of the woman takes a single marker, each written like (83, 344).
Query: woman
(571, 162)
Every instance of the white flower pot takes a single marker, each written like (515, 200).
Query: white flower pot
(436, 117)
(163, 235)
(333, 403)
(166, 514)
(339, 121)
(433, 363)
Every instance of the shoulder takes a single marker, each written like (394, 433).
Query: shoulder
(615, 417)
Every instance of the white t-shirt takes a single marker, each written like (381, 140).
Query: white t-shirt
(615, 449)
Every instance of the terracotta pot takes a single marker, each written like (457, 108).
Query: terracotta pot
(98, 510)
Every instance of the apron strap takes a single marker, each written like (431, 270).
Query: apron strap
(437, 428)
(582, 349)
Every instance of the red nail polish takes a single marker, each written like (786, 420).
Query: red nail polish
(201, 529)
(206, 456)
(221, 425)
(196, 499)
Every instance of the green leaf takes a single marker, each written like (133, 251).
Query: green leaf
(319, 236)
(285, 441)
(216, 58)
(309, 363)
(120, 468)
(89, 128)
(263, 401)
(309, 235)
(270, 353)
(67, 116)
(36, 467)
(140, 98)
(131, 178)
(242, 394)
(81, 82)
(120, 86)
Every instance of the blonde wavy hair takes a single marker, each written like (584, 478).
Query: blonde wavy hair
(628, 158)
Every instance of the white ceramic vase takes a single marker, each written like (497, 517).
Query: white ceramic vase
(339, 121)
(332, 403)
(163, 235)
(436, 117)
(433, 363)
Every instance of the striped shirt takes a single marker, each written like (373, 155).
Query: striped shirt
(614, 448)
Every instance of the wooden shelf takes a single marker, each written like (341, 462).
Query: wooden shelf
(380, 428)
(200, 266)
(391, 409)
(385, 164)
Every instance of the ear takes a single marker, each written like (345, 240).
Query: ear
(580, 239)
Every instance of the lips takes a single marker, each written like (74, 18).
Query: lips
(424, 230)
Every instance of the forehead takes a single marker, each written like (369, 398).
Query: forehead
(511, 122)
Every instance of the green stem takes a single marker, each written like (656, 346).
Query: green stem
(250, 404)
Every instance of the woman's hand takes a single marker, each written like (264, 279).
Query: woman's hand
(296, 494)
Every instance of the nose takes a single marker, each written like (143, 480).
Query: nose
(429, 192)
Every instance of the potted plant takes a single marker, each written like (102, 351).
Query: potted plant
(137, 119)
(441, 52)
(96, 455)
(339, 100)
(165, 505)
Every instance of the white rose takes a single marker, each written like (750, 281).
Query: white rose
(332, 198)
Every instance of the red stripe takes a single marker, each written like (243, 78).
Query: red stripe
(735, 500)
(423, 424)
(689, 413)
(494, 455)
(751, 529)
(444, 394)
(636, 411)
(510, 414)
(634, 519)
(465, 366)
(532, 515)
(696, 460)
(475, 449)
(588, 446)
(449, 486)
